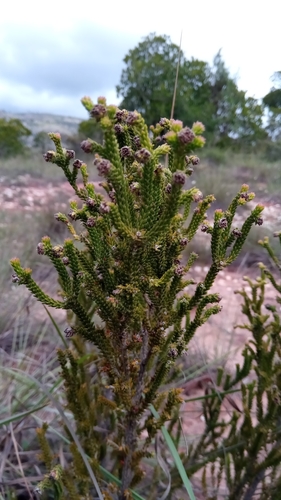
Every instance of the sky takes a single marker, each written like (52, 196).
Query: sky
(51, 57)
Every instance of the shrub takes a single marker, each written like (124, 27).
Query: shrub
(41, 141)
(241, 453)
(12, 133)
(123, 285)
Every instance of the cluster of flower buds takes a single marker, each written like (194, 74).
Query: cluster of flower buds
(90, 202)
(91, 221)
(98, 111)
(126, 117)
(168, 188)
(222, 223)
(72, 215)
(126, 152)
(192, 160)
(121, 115)
(78, 163)
(15, 278)
(206, 227)
(118, 128)
(40, 249)
(135, 187)
(142, 155)
(132, 118)
(173, 353)
(103, 166)
(104, 208)
(179, 178)
(237, 233)
(87, 146)
(49, 156)
(70, 154)
(57, 251)
(112, 195)
(186, 135)
(69, 332)
(198, 128)
(179, 271)
(137, 141)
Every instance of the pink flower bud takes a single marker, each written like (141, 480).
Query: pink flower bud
(179, 178)
(49, 156)
(70, 154)
(77, 163)
(98, 111)
(86, 146)
(186, 135)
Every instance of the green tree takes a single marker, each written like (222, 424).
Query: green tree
(147, 81)
(272, 101)
(90, 129)
(203, 91)
(237, 119)
(273, 98)
(12, 134)
(41, 141)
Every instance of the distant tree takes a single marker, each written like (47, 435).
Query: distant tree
(42, 141)
(12, 134)
(86, 129)
(147, 81)
(238, 119)
(272, 101)
(204, 92)
(89, 129)
(273, 98)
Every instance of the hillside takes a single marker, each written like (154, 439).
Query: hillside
(36, 122)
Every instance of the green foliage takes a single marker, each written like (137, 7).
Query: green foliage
(273, 98)
(123, 284)
(206, 93)
(12, 134)
(90, 129)
(41, 141)
(243, 451)
(272, 101)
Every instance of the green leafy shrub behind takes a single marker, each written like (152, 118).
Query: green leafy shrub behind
(12, 134)
(239, 452)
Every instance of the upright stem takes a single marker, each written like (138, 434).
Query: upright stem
(131, 422)
(130, 443)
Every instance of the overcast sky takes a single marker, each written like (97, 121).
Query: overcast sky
(51, 57)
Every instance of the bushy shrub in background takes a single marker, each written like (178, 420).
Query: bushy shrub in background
(12, 134)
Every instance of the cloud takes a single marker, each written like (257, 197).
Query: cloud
(53, 55)
(41, 67)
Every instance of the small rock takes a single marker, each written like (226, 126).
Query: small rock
(8, 194)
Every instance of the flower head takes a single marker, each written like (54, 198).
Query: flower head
(186, 135)
(98, 111)
(179, 178)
